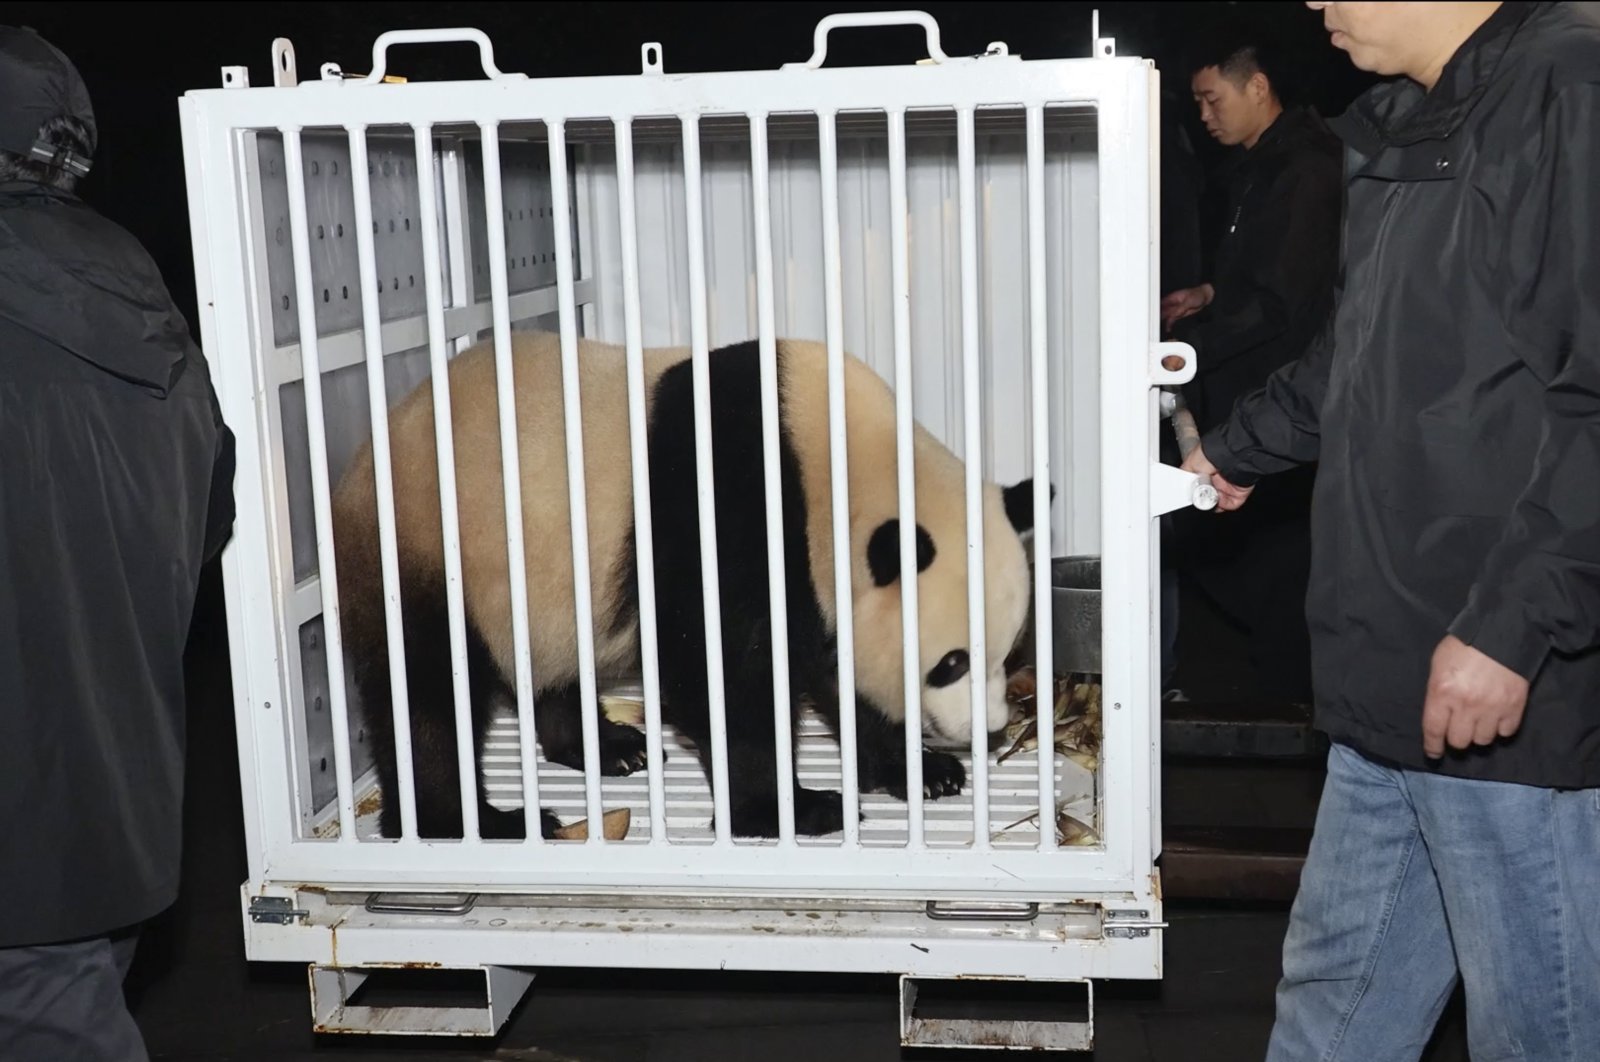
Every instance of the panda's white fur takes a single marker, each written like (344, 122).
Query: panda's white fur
(873, 485)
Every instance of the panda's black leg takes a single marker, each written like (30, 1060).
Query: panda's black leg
(558, 713)
(881, 758)
(753, 795)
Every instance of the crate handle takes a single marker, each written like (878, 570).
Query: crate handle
(860, 19)
(435, 36)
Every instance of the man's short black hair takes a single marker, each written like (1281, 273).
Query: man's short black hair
(1238, 56)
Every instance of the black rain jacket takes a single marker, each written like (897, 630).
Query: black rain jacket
(1453, 403)
(1275, 267)
(116, 476)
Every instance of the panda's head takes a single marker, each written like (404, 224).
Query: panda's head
(944, 634)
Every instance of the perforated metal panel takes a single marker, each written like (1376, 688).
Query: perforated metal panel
(330, 205)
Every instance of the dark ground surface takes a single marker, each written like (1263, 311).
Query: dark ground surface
(198, 999)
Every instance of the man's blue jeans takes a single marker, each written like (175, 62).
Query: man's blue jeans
(1414, 879)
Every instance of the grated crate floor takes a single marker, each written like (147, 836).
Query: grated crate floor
(947, 822)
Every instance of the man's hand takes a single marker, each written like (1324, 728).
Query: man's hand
(1229, 497)
(1471, 699)
(1183, 302)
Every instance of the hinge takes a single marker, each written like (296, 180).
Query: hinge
(1130, 923)
(279, 910)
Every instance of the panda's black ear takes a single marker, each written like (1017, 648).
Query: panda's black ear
(1019, 504)
(883, 552)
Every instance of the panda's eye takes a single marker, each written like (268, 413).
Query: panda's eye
(954, 665)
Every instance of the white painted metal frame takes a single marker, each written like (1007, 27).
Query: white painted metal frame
(217, 126)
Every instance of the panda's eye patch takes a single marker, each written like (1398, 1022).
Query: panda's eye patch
(954, 665)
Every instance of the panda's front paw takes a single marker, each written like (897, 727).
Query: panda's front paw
(622, 749)
(942, 775)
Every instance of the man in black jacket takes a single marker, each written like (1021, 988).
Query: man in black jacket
(115, 489)
(1271, 289)
(1454, 405)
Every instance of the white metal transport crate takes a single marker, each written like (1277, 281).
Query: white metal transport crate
(979, 233)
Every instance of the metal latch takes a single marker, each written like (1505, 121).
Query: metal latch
(1130, 923)
(279, 910)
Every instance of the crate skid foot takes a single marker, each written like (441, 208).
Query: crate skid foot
(333, 988)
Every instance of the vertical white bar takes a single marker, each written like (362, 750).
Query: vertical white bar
(510, 463)
(710, 574)
(767, 332)
(577, 483)
(832, 267)
(973, 459)
(1044, 628)
(905, 400)
(445, 448)
(316, 432)
(383, 473)
(639, 439)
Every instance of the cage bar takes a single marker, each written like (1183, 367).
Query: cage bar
(709, 566)
(766, 332)
(973, 459)
(317, 438)
(905, 397)
(383, 475)
(444, 442)
(1043, 624)
(638, 436)
(844, 621)
(577, 485)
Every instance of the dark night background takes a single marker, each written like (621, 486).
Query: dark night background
(194, 994)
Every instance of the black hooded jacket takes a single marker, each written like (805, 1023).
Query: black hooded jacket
(1453, 403)
(116, 479)
(1275, 267)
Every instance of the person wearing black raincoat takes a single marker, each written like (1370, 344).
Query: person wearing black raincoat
(1453, 405)
(115, 489)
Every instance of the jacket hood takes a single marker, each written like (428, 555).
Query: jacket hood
(76, 280)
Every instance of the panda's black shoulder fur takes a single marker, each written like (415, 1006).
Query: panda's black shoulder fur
(741, 531)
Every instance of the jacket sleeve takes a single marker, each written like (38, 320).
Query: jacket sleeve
(1279, 425)
(1539, 587)
(220, 507)
(1298, 254)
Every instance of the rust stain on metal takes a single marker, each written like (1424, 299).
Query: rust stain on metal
(1155, 884)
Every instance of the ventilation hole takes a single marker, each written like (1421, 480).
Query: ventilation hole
(345, 291)
(280, 235)
(228, 78)
(650, 57)
(338, 230)
(324, 294)
(286, 302)
(324, 765)
(396, 285)
(336, 169)
(391, 224)
(318, 704)
(408, 224)
(283, 60)
(374, 228)
(316, 168)
(321, 233)
(371, 169)
(411, 281)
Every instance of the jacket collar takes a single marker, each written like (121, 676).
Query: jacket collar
(1399, 113)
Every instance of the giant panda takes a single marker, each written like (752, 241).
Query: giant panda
(740, 500)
